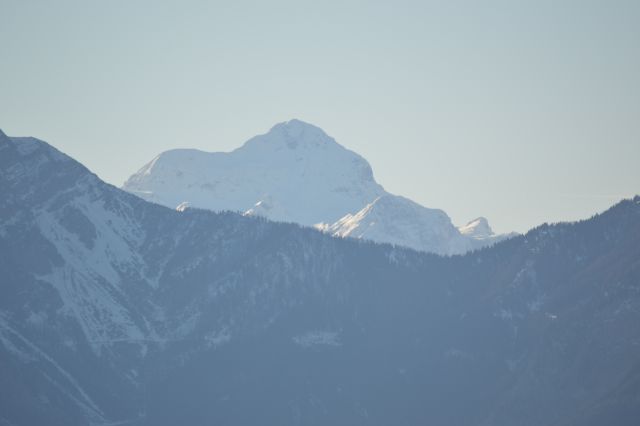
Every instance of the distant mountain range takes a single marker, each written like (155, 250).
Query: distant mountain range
(297, 173)
(114, 310)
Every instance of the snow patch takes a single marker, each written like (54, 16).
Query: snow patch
(313, 338)
(218, 338)
(183, 206)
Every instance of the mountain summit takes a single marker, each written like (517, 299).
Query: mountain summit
(297, 173)
(294, 134)
(295, 166)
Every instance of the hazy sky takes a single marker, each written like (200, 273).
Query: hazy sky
(523, 112)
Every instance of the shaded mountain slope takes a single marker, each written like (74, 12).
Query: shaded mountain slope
(113, 310)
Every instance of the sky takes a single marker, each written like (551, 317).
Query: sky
(520, 111)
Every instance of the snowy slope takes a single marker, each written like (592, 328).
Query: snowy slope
(297, 173)
(398, 220)
(91, 234)
(296, 169)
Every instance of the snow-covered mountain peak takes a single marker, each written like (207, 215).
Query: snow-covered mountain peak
(477, 228)
(298, 133)
(295, 166)
(300, 142)
(412, 225)
(297, 173)
(293, 135)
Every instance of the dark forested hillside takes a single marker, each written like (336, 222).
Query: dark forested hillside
(114, 310)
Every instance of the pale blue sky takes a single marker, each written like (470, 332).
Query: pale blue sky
(523, 112)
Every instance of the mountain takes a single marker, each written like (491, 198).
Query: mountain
(398, 220)
(297, 173)
(296, 169)
(114, 310)
(480, 234)
(478, 228)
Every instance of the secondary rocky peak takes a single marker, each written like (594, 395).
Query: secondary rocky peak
(398, 220)
(477, 228)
